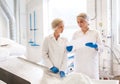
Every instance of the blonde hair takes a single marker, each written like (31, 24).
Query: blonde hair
(84, 16)
(56, 22)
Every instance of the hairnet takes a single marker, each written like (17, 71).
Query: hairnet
(56, 22)
(84, 16)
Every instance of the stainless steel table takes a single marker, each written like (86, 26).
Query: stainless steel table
(16, 70)
(19, 71)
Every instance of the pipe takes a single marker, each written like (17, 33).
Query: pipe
(113, 53)
(11, 18)
(95, 11)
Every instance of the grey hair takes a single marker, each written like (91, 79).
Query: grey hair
(56, 22)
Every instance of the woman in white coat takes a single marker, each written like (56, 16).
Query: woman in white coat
(86, 58)
(53, 49)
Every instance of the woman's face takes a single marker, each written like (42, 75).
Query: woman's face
(60, 28)
(82, 22)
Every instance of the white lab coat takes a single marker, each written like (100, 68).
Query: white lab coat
(86, 58)
(54, 52)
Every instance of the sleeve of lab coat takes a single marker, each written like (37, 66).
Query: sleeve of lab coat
(45, 54)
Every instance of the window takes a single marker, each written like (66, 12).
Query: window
(66, 10)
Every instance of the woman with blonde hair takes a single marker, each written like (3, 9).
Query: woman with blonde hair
(53, 49)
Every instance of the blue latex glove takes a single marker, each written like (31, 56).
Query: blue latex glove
(54, 69)
(69, 48)
(62, 74)
(92, 45)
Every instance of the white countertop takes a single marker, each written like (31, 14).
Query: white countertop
(23, 69)
(36, 74)
(1, 82)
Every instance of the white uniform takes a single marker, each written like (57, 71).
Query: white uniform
(54, 52)
(86, 58)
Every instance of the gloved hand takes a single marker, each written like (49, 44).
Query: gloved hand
(92, 45)
(62, 74)
(69, 48)
(54, 69)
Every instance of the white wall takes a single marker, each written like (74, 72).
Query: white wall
(23, 8)
(33, 53)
